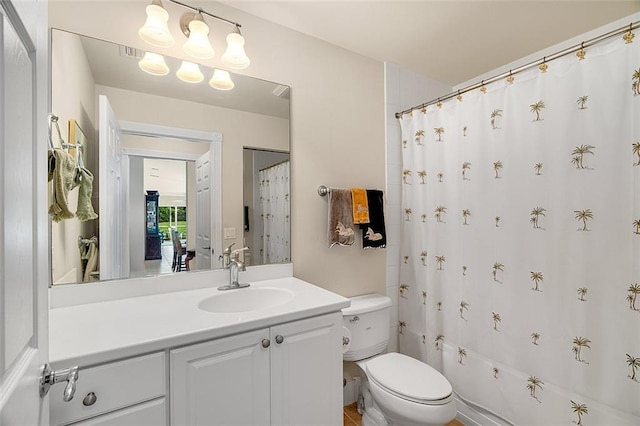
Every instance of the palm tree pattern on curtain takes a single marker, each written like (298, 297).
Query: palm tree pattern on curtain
(549, 255)
(276, 213)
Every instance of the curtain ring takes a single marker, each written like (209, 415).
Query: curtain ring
(510, 79)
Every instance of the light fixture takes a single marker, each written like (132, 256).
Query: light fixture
(190, 72)
(194, 27)
(153, 64)
(235, 57)
(221, 80)
(155, 30)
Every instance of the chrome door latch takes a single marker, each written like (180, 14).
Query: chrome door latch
(50, 377)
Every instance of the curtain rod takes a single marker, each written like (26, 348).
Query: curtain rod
(273, 165)
(625, 29)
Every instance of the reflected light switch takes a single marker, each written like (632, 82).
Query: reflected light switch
(229, 233)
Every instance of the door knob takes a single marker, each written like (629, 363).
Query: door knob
(279, 339)
(266, 343)
(50, 377)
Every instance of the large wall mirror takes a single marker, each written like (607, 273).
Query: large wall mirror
(180, 169)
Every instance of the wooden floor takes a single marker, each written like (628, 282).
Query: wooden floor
(353, 418)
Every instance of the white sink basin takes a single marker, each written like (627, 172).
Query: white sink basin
(246, 299)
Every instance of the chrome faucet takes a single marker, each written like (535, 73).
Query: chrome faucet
(226, 256)
(235, 267)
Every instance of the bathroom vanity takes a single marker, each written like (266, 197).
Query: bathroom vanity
(267, 354)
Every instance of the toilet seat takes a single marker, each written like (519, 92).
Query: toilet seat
(409, 379)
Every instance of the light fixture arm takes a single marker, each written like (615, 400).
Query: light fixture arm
(199, 10)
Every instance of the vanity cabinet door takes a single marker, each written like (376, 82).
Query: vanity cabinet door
(306, 372)
(222, 382)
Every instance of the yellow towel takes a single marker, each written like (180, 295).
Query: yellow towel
(360, 205)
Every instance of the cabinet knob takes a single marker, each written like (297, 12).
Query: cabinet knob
(90, 399)
(279, 339)
(266, 343)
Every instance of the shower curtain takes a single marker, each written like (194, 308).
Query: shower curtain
(275, 213)
(520, 256)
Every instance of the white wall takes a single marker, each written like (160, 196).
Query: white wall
(137, 210)
(71, 98)
(337, 125)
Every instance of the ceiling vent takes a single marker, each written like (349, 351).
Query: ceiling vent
(281, 91)
(131, 52)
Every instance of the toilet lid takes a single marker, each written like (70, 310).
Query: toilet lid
(409, 378)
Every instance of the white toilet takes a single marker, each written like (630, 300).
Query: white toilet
(397, 389)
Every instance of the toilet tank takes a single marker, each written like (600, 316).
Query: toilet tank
(367, 322)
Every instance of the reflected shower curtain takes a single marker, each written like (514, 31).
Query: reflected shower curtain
(520, 258)
(275, 213)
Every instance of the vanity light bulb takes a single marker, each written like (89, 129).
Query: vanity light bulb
(221, 80)
(235, 57)
(198, 44)
(190, 72)
(153, 64)
(155, 30)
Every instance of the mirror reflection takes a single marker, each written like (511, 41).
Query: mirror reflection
(155, 215)
(266, 206)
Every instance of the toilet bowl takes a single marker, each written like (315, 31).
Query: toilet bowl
(407, 391)
(397, 389)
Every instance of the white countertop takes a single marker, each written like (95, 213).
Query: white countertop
(95, 333)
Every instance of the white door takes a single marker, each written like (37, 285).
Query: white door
(203, 212)
(306, 372)
(113, 240)
(222, 382)
(24, 265)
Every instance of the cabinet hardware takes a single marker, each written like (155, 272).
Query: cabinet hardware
(266, 343)
(279, 339)
(355, 319)
(345, 340)
(90, 399)
(50, 377)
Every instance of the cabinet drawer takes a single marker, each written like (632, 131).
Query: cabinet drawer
(152, 413)
(115, 385)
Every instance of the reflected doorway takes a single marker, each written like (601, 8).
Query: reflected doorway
(169, 235)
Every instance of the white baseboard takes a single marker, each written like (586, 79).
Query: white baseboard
(476, 416)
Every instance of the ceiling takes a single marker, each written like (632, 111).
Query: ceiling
(448, 40)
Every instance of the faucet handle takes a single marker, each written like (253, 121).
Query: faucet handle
(236, 253)
(228, 249)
